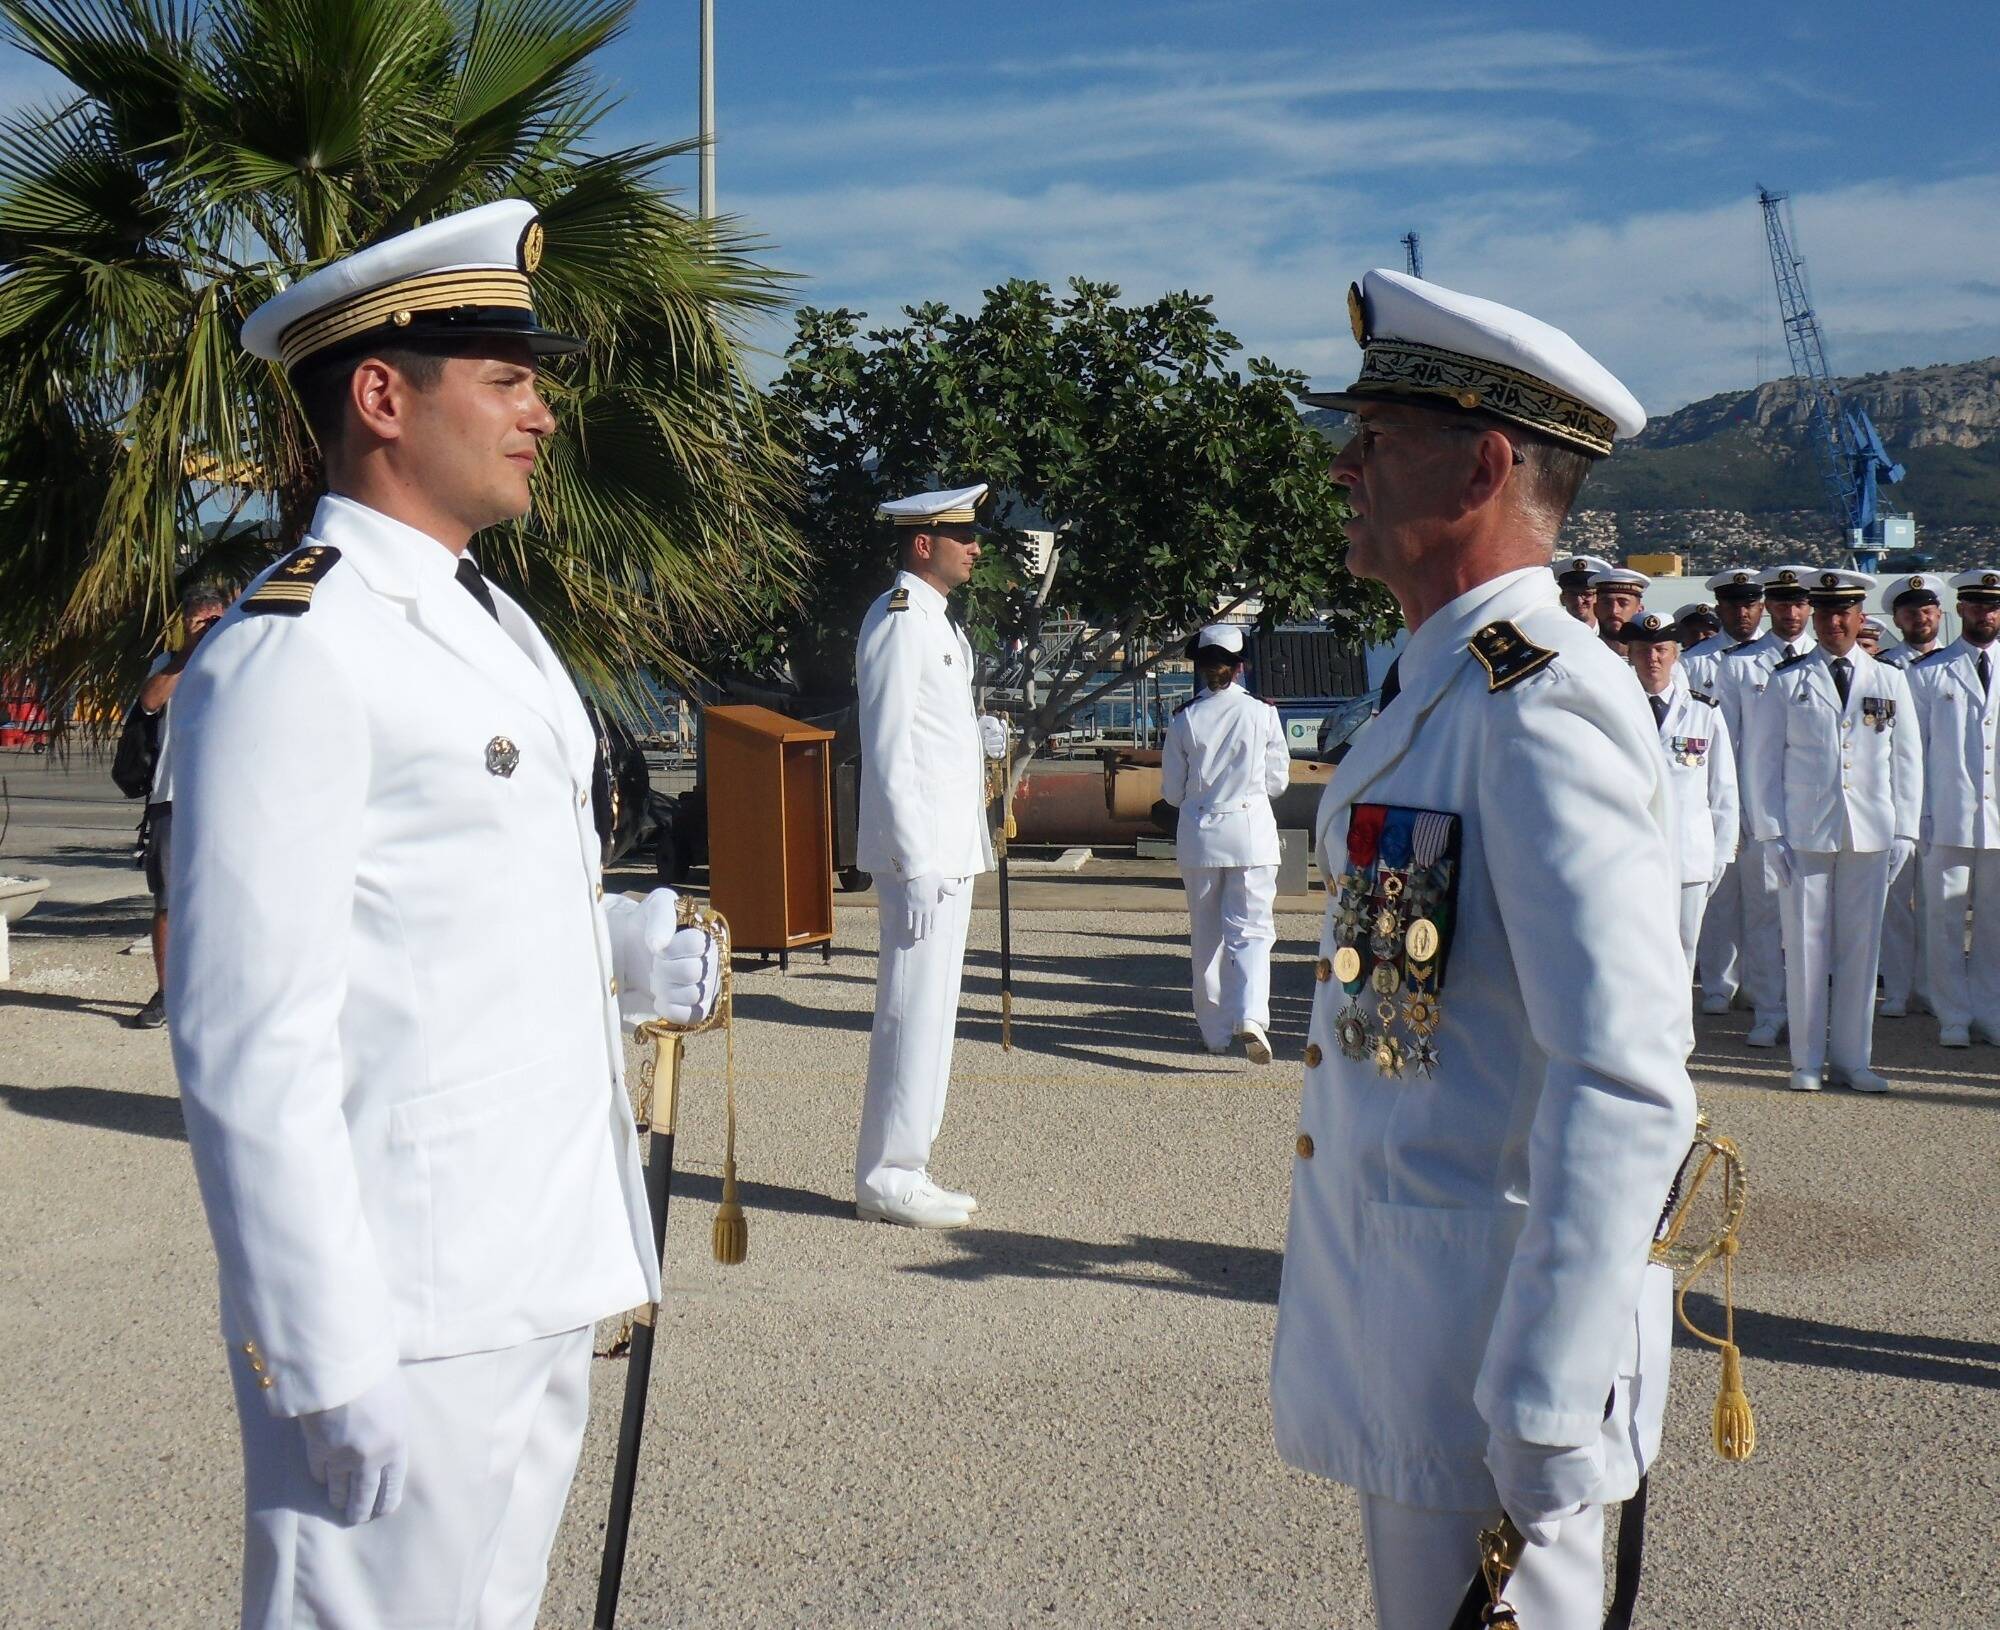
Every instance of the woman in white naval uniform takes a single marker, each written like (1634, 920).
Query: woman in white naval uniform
(1225, 760)
(1477, 1176)
(921, 829)
(1833, 785)
(1695, 738)
(1957, 696)
(396, 985)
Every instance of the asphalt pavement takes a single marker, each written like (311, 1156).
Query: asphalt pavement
(1057, 1416)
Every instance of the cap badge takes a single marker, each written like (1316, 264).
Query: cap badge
(1916, 582)
(531, 247)
(1741, 577)
(1788, 577)
(502, 757)
(1827, 580)
(1357, 314)
(1990, 580)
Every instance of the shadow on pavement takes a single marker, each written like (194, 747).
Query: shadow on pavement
(1903, 1354)
(111, 1109)
(1238, 1273)
(103, 1007)
(707, 1188)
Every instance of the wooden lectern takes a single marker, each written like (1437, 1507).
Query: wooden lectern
(770, 830)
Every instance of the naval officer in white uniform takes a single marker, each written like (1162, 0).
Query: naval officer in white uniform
(1621, 595)
(1695, 738)
(1495, 1097)
(1957, 697)
(1225, 760)
(922, 831)
(1740, 678)
(1833, 785)
(1916, 605)
(395, 983)
(1573, 584)
(1739, 607)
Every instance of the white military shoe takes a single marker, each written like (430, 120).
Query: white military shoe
(1954, 1035)
(1715, 1004)
(925, 1206)
(1803, 1081)
(1762, 1035)
(1256, 1045)
(956, 1197)
(1864, 1081)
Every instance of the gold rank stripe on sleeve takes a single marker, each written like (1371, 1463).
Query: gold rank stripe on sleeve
(288, 591)
(1508, 656)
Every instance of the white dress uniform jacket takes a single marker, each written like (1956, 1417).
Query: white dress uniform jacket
(1829, 778)
(1702, 762)
(1465, 1253)
(1903, 656)
(391, 978)
(1225, 759)
(923, 774)
(1959, 722)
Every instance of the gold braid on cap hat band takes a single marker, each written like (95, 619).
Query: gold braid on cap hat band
(395, 303)
(1406, 368)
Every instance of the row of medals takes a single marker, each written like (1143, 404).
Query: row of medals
(1394, 916)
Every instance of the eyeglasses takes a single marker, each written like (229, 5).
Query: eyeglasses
(1369, 433)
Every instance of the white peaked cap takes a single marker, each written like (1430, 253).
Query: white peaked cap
(1220, 637)
(463, 277)
(1427, 344)
(1981, 583)
(1575, 571)
(1620, 577)
(956, 506)
(1786, 577)
(1835, 585)
(1737, 579)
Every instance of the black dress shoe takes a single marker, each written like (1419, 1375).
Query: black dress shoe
(153, 1016)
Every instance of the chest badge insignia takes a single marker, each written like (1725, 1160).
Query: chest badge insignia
(502, 757)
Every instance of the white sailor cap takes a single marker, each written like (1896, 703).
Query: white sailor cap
(1876, 623)
(957, 506)
(461, 278)
(1423, 343)
(1697, 609)
(1650, 628)
(1737, 583)
(1621, 577)
(1918, 589)
(1785, 582)
(1835, 586)
(1217, 637)
(1576, 571)
(1981, 586)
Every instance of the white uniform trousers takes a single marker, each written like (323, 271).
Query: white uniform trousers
(1964, 991)
(909, 1047)
(1833, 940)
(1764, 982)
(1694, 904)
(494, 1439)
(1905, 941)
(1232, 931)
(1720, 951)
(1420, 1562)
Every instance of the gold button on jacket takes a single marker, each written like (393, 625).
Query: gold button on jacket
(1312, 1054)
(1305, 1146)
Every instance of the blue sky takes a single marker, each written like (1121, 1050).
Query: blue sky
(1595, 164)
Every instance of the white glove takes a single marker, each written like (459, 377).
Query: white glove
(684, 971)
(361, 1450)
(1779, 865)
(1540, 1485)
(992, 736)
(1900, 851)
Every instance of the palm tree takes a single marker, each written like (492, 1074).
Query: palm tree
(212, 151)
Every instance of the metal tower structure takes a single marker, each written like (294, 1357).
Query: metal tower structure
(1413, 254)
(1852, 461)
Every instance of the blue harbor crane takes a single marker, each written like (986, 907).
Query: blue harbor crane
(1853, 463)
(1413, 254)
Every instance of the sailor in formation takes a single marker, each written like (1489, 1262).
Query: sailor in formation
(1225, 759)
(1573, 585)
(1956, 692)
(1698, 625)
(1833, 785)
(921, 830)
(1916, 605)
(1621, 593)
(1740, 678)
(1695, 738)
(396, 983)
(1739, 608)
(1495, 1097)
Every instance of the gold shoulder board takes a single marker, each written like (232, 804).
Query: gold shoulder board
(288, 591)
(1507, 655)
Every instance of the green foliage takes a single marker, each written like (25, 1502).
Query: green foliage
(1178, 483)
(211, 152)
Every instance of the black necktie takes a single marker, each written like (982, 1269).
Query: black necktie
(1392, 685)
(475, 585)
(1843, 676)
(1659, 710)
(1985, 667)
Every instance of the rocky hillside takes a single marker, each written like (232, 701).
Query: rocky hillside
(1731, 477)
